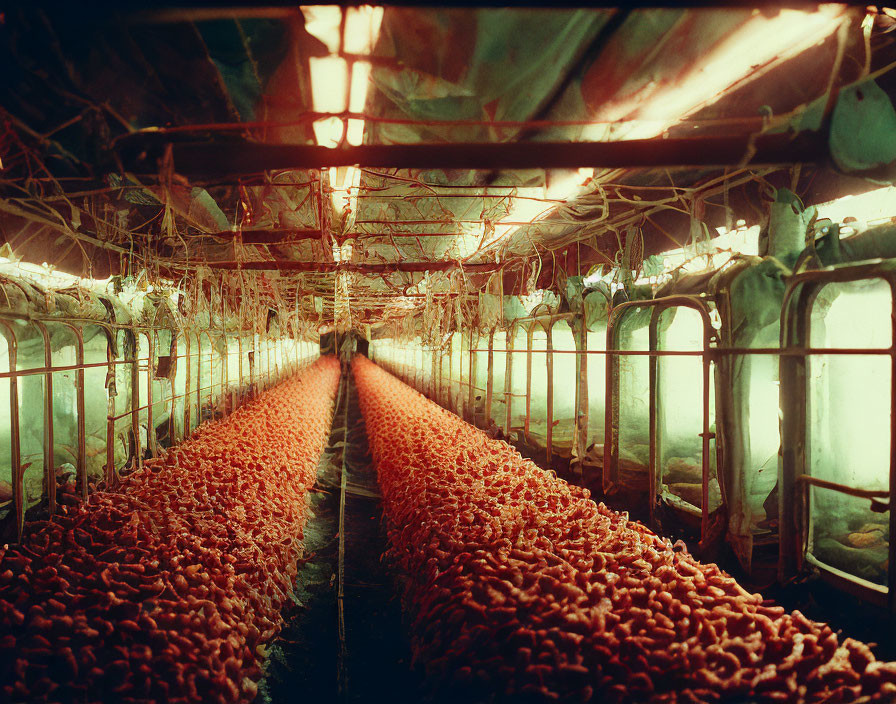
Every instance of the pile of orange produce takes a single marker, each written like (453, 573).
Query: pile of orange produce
(519, 584)
(167, 588)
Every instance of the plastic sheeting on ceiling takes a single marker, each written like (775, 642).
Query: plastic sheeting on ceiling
(89, 82)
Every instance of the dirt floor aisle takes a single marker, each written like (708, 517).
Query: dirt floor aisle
(377, 652)
(358, 653)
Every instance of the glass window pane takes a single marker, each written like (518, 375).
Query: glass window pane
(195, 381)
(64, 341)
(6, 475)
(680, 411)
(144, 367)
(565, 383)
(125, 444)
(849, 425)
(499, 368)
(597, 386)
(848, 536)
(538, 389)
(634, 399)
(96, 398)
(161, 387)
(518, 379)
(456, 371)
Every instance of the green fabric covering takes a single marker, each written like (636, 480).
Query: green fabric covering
(863, 130)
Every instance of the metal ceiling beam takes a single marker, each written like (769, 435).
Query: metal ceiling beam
(149, 12)
(141, 155)
(333, 267)
(146, 10)
(262, 236)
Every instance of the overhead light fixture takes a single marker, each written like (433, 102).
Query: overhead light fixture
(759, 44)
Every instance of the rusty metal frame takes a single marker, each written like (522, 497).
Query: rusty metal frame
(509, 344)
(550, 322)
(131, 335)
(141, 361)
(450, 400)
(611, 439)
(212, 398)
(110, 472)
(81, 468)
(795, 477)
(188, 378)
(18, 488)
(49, 445)
(471, 376)
(489, 381)
(611, 410)
(584, 407)
(700, 305)
(253, 367)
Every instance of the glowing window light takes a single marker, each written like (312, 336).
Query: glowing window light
(355, 132)
(872, 208)
(47, 276)
(358, 93)
(362, 29)
(559, 188)
(342, 253)
(742, 56)
(344, 182)
(328, 131)
(323, 22)
(329, 83)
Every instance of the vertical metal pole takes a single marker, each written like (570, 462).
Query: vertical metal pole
(135, 400)
(225, 374)
(239, 390)
(109, 471)
(508, 381)
(549, 363)
(150, 376)
(611, 411)
(253, 362)
(49, 463)
(582, 391)
(891, 565)
(490, 382)
(188, 386)
(529, 333)
(450, 400)
(707, 368)
(81, 468)
(172, 425)
(471, 378)
(794, 428)
(653, 410)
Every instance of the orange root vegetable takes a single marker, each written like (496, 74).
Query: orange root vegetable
(518, 581)
(162, 589)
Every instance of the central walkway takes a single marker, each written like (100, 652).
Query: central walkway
(359, 652)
